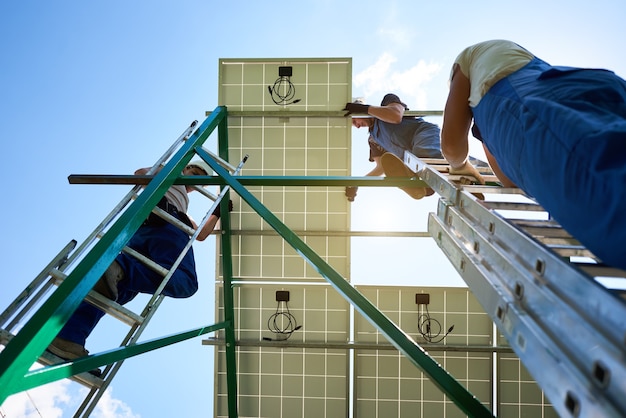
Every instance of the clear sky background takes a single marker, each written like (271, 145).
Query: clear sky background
(105, 87)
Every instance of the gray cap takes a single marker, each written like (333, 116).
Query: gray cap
(392, 98)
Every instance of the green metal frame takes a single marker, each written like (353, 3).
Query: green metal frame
(35, 336)
(24, 349)
(403, 342)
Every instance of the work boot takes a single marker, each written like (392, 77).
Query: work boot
(68, 350)
(107, 285)
(395, 167)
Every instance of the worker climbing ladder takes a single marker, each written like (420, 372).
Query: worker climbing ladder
(76, 270)
(540, 286)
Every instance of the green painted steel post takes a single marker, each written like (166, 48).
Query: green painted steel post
(403, 342)
(227, 272)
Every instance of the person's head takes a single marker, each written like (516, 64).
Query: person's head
(392, 98)
(197, 168)
(362, 122)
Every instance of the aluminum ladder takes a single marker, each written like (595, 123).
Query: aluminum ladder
(539, 285)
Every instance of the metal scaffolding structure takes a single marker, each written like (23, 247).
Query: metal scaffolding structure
(567, 329)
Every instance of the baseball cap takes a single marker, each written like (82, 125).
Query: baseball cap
(392, 98)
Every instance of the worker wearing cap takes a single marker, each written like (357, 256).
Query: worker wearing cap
(156, 239)
(392, 132)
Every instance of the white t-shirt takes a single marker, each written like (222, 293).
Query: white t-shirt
(486, 63)
(177, 196)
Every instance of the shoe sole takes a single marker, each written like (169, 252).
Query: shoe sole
(62, 354)
(66, 355)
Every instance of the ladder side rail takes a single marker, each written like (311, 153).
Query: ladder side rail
(29, 304)
(573, 334)
(23, 298)
(559, 275)
(179, 141)
(607, 369)
(568, 390)
(570, 287)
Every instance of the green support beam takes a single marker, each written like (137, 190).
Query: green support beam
(64, 370)
(403, 342)
(227, 273)
(319, 181)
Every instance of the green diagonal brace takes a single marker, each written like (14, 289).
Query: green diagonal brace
(453, 389)
(24, 349)
(84, 364)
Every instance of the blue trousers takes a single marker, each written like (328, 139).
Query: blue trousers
(559, 133)
(161, 244)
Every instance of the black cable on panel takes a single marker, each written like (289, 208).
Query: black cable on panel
(283, 91)
(430, 328)
(282, 323)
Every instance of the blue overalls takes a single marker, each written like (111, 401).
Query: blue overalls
(559, 133)
(162, 244)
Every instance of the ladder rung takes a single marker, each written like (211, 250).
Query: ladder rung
(463, 178)
(573, 251)
(149, 263)
(228, 166)
(173, 220)
(205, 192)
(107, 305)
(600, 270)
(514, 206)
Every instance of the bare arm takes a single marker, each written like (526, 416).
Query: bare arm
(457, 117)
(207, 229)
(378, 170)
(506, 182)
(144, 171)
(391, 113)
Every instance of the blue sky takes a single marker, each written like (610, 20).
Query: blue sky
(105, 87)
